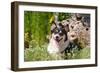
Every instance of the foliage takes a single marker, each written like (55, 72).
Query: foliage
(41, 54)
(37, 25)
(38, 54)
(63, 16)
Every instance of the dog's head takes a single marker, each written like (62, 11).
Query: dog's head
(58, 32)
(76, 26)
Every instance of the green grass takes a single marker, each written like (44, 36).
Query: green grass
(37, 54)
(41, 54)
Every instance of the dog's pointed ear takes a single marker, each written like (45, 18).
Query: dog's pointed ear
(78, 17)
(53, 26)
(55, 23)
(61, 25)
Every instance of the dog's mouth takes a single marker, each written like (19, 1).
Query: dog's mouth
(58, 40)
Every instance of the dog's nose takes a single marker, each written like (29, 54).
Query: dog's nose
(57, 37)
(72, 27)
(67, 25)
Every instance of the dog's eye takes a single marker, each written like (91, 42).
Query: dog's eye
(57, 31)
(61, 34)
(77, 22)
(87, 29)
(67, 25)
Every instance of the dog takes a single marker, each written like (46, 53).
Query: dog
(59, 39)
(79, 32)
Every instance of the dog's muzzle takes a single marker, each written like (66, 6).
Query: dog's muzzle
(57, 39)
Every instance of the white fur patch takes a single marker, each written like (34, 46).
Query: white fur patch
(55, 47)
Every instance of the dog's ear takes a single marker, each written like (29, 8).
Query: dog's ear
(78, 17)
(53, 22)
(66, 23)
(61, 25)
(53, 26)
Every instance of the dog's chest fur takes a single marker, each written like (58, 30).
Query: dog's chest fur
(55, 47)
